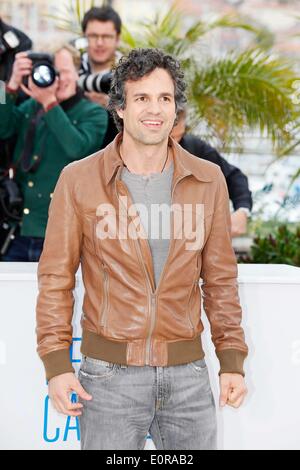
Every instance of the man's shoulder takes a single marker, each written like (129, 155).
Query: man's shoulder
(205, 170)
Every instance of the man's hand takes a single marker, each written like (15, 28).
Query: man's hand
(99, 98)
(238, 223)
(44, 96)
(232, 390)
(60, 388)
(22, 68)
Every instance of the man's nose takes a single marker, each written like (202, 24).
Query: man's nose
(99, 41)
(154, 106)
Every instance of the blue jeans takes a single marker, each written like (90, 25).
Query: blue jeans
(24, 249)
(175, 404)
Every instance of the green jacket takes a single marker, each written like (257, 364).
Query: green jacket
(67, 132)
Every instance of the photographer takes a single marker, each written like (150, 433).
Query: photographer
(56, 126)
(12, 41)
(102, 28)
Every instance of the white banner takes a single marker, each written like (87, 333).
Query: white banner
(269, 419)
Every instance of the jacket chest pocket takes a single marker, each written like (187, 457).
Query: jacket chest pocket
(103, 268)
(105, 300)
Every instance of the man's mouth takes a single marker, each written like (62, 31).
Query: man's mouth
(153, 124)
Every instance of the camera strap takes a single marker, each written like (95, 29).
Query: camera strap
(26, 156)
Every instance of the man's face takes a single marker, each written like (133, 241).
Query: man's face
(68, 75)
(103, 41)
(149, 112)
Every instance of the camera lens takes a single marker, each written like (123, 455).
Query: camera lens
(43, 75)
(98, 82)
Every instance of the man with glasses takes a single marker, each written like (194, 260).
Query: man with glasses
(56, 126)
(102, 29)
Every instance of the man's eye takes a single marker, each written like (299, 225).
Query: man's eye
(141, 98)
(166, 98)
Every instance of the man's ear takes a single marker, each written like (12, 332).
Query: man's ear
(120, 113)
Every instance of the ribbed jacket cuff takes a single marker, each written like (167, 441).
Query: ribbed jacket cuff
(231, 361)
(51, 105)
(12, 91)
(57, 363)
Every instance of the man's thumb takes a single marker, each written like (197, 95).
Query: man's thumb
(81, 392)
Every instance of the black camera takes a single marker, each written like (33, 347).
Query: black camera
(43, 72)
(11, 208)
(11, 200)
(99, 82)
(8, 41)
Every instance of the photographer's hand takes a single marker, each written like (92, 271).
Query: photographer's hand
(238, 223)
(100, 98)
(22, 67)
(44, 96)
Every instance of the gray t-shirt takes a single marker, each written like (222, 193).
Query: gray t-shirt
(154, 193)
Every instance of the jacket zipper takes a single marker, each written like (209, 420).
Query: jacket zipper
(140, 256)
(153, 293)
(193, 289)
(105, 300)
(104, 310)
(152, 324)
(196, 283)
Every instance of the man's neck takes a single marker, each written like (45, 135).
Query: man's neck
(145, 159)
(100, 67)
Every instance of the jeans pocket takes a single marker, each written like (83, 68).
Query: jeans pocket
(91, 368)
(198, 366)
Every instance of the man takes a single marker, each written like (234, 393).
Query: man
(19, 42)
(102, 28)
(143, 364)
(12, 41)
(56, 126)
(237, 182)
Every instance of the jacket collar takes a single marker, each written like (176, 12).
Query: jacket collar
(184, 163)
(73, 100)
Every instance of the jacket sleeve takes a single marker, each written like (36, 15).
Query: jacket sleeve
(11, 116)
(237, 181)
(78, 138)
(220, 288)
(237, 184)
(56, 280)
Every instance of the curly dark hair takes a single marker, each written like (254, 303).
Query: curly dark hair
(137, 64)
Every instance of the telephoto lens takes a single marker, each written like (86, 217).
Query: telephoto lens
(96, 82)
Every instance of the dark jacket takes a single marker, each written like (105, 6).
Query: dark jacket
(237, 182)
(67, 132)
(7, 60)
(112, 131)
(6, 65)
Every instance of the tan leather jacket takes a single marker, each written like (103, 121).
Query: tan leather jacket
(126, 318)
